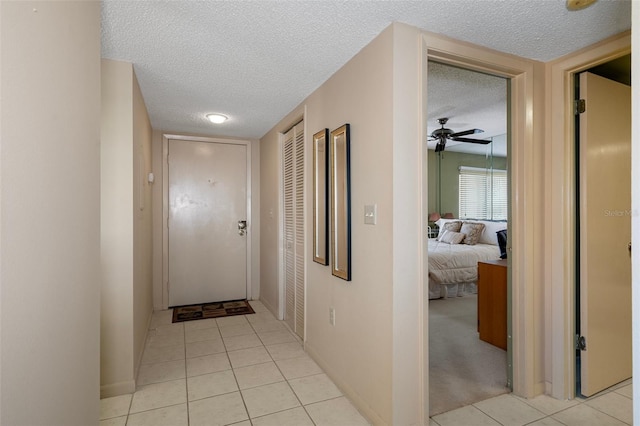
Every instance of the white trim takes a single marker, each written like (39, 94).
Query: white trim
(281, 290)
(560, 190)
(165, 207)
(522, 271)
(308, 190)
(116, 389)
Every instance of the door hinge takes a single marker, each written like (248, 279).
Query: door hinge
(579, 106)
(581, 343)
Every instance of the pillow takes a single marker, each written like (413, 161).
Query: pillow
(449, 225)
(490, 229)
(472, 231)
(451, 237)
(502, 242)
(442, 221)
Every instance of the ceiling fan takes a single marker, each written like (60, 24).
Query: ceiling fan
(442, 135)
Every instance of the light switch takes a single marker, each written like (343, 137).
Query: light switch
(370, 214)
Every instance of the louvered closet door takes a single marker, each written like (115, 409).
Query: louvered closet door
(294, 228)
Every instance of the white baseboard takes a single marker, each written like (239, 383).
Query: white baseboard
(115, 389)
(355, 399)
(271, 308)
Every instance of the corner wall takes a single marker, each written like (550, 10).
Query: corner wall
(142, 225)
(50, 220)
(126, 247)
(360, 352)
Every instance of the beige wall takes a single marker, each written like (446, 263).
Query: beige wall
(125, 228)
(409, 378)
(157, 158)
(359, 352)
(142, 225)
(50, 213)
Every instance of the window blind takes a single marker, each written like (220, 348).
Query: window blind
(482, 193)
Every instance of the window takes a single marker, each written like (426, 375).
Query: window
(482, 193)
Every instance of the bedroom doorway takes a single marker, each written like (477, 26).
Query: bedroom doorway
(468, 184)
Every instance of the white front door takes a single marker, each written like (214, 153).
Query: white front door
(207, 198)
(605, 233)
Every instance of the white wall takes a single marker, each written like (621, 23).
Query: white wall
(360, 352)
(126, 237)
(50, 220)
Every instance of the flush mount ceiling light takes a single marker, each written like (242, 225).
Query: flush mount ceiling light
(217, 118)
(579, 4)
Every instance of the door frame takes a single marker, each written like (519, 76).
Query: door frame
(560, 186)
(525, 198)
(165, 207)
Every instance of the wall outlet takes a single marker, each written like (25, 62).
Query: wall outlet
(332, 316)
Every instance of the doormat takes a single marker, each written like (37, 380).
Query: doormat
(211, 310)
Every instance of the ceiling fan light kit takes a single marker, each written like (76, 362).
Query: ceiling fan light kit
(443, 134)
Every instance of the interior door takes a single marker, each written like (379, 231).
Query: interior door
(605, 233)
(207, 205)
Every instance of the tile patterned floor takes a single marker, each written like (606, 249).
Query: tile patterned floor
(611, 407)
(241, 370)
(251, 371)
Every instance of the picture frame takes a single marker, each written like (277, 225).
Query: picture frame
(321, 197)
(340, 171)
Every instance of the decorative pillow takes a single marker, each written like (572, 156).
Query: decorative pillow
(453, 225)
(452, 237)
(472, 231)
(490, 229)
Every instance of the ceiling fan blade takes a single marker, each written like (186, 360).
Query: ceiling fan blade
(466, 132)
(480, 141)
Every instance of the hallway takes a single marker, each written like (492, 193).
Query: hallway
(240, 370)
(251, 371)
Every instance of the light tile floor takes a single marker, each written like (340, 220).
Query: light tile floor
(240, 370)
(610, 407)
(251, 371)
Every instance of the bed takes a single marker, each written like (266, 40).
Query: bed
(453, 267)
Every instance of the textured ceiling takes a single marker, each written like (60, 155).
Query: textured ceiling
(470, 100)
(256, 60)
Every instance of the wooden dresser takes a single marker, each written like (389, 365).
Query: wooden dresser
(492, 302)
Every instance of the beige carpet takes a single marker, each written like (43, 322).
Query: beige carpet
(462, 368)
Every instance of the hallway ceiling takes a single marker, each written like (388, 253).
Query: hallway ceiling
(255, 61)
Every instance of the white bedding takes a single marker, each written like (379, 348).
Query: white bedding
(452, 267)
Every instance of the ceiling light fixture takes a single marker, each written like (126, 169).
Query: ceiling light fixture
(579, 4)
(217, 118)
